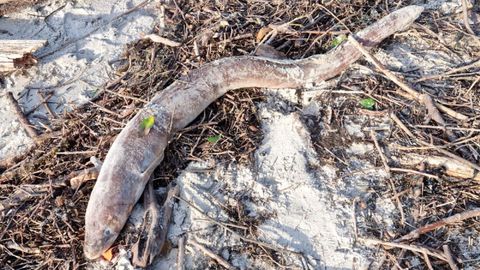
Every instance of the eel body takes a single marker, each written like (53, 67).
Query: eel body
(134, 155)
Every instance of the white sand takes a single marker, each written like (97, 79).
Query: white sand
(85, 40)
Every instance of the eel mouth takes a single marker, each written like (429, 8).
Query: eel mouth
(94, 247)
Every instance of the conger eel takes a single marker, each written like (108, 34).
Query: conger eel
(134, 154)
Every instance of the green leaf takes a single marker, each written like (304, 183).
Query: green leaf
(368, 103)
(147, 123)
(338, 40)
(214, 139)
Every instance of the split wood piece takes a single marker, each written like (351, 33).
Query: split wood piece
(211, 254)
(15, 54)
(452, 166)
(425, 99)
(22, 118)
(155, 226)
(441, 223)
(134, 155)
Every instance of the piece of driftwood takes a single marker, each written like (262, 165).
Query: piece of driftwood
(15, 54)
(453, 167)
(136, 152)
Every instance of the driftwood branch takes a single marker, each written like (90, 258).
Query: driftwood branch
(135, 154)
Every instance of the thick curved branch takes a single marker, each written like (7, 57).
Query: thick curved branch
(135, 153)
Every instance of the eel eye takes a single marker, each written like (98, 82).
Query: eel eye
(107, 232)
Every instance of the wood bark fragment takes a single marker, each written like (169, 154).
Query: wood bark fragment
(133, 156)
(16, 54)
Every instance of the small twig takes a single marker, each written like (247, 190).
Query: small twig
(433, 226)
(452, 113)
(465, 17)
(125, 96)
(44, 101)
(400, 124)
(181, 253)
(15, 246)
(21, 117)
(414, 172)
(75, 153)
(374, 242)
(382, 156)
(452, 71)
(212, 255)
(449, 256)
(427, 261)
(451, 128)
